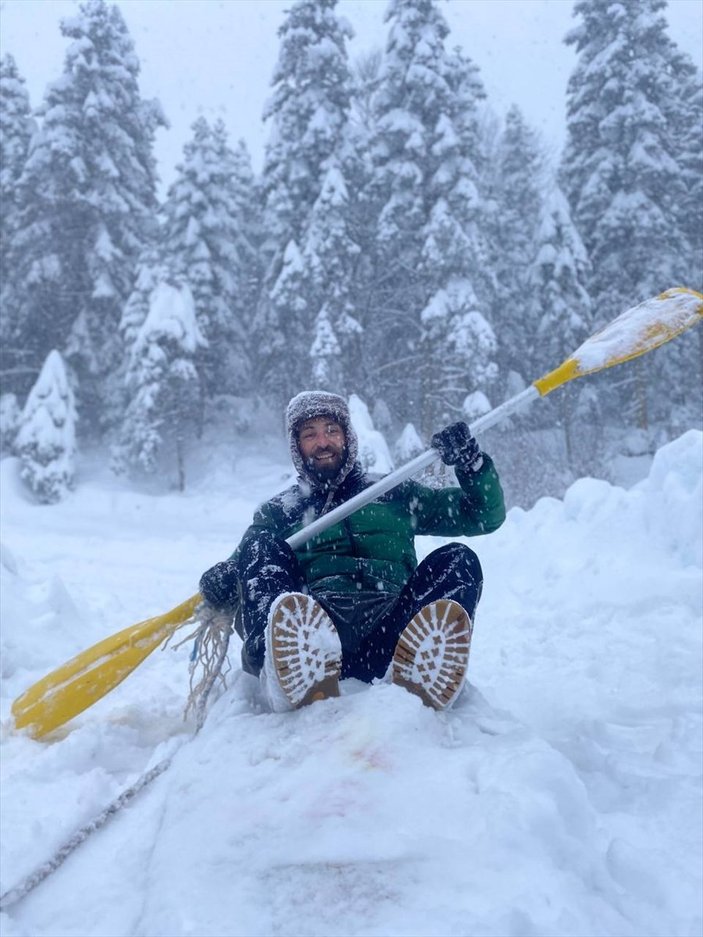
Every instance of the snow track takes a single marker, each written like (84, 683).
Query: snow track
(560, 796)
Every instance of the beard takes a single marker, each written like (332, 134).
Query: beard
(327, 470)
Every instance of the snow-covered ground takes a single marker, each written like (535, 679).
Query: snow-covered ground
(561, 796)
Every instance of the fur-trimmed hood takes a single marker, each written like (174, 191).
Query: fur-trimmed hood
(306, 406)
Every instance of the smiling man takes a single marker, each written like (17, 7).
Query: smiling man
(322, 444)
(353, 602)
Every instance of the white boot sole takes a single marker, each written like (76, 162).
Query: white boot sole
(305, 649)
(432, 653)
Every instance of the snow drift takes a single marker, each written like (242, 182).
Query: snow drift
(561, 796)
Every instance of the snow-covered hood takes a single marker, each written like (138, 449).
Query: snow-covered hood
(308, 405)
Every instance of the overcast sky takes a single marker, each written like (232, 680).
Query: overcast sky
(216, 57)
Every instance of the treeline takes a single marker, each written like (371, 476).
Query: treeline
(401, 242)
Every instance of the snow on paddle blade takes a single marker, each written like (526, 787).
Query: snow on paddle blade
(640, 329)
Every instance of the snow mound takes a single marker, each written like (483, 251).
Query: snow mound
(561, 796)
(39, 618)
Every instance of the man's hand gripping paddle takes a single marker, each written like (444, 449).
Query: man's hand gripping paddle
(86, 678)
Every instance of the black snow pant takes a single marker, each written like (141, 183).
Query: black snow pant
(369, 623)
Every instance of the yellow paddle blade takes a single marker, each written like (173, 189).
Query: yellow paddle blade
(633, 333)
(86, 678)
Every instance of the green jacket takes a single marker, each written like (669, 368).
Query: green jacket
(374, 548)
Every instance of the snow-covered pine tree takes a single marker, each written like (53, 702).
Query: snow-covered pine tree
(16, 128)
(429, 246)
(460, 348)
(45, 441)
(280, 348)
(86, 204)
(408, 445)
(151, 270)
(246, 207)
(308, 112)
(360, 213)
(687, 118)
(413, 93)
(515, 180)
(374, 454)
(325, 353)
(205, 245)
(557, 297)
(162, 384)
(366, 71)
(457, 342)
(10, 414)
(331, 258)
(625, 184)
(469, 96)
(559, 302)
(619, 170)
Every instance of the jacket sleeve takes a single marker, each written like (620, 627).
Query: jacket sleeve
(219, 585)
(477, 507)
(265, 518)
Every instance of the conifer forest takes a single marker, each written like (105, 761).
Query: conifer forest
(402, 242)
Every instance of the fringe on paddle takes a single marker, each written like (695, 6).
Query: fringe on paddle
(209, 662)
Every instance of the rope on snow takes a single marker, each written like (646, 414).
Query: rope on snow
(20, 891)
(210, 654)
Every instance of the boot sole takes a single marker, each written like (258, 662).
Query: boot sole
(303, 639)
(432, 653)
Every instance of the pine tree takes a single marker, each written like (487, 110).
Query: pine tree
(621, 172)
(207, 246)
(162, 385)
(559, 302)
(516, 185)
(326, 354)
(408, 445)
(330, 257)
(45, 441)
(687, 118)
(558, 298)
(361, 209)
(308, 113)
(461, 347)
(16, 128)
(413, 94)
(86, 204)
(430, 263)
(151, 271)
(10, 414)
(457, 341)
(374, 454)
(246, 208)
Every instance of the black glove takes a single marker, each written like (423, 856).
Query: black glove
(457, 446)
(219, 586)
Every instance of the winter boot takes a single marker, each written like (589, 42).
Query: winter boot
(303, 653)
(432, 653)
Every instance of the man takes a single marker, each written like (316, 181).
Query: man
(353, 602)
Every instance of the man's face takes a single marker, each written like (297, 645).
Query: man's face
(322, 444)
